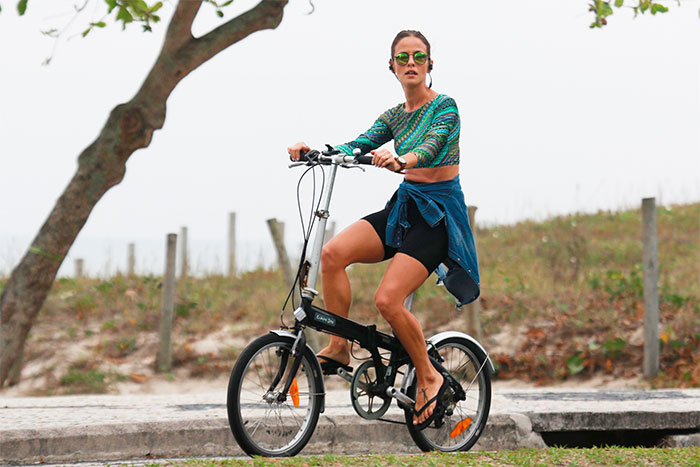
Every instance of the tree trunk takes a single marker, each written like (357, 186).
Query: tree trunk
(102, 165)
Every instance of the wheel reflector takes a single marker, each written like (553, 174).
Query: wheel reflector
(294, 392)
(461, 426)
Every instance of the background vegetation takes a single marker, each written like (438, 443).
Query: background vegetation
(562, 300)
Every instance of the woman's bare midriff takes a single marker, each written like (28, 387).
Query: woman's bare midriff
(432, 174)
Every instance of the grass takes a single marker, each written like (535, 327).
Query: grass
(84, 378)
(608, 456)
(571, 288)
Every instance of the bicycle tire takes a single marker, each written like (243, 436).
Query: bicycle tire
(266, 426)
(465, 361)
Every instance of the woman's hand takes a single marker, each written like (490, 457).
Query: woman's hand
(295, 150)
(385, 159)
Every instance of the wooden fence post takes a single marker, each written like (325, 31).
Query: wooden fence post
(651, 288)
(79, 263)
(164, 355)
(277, 232)
(184, 260)
(473, 310)
(131, 259)
(231, 244)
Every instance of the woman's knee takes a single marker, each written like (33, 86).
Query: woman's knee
(389, 304)
(333, 257)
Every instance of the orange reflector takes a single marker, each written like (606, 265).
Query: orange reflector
(461, 426)
(294, 392)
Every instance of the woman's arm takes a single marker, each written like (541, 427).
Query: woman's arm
(378, 134)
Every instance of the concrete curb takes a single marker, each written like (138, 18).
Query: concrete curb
(197, 438)
(104, 428)
(602, 421)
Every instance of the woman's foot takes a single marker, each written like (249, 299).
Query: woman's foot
(339, 353)
(427, 389)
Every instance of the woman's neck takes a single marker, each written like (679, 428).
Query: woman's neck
(417, 97)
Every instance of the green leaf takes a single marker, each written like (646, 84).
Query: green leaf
(156, 7)
(124, 16)
(86, 32)
(605, 9)
(658, 8)
(21, 7)
(0, 8)
(618, 3)
(220, 13)
(227, 3)
(100, 24)
(140, 7)
(644, 5)
(112, 4)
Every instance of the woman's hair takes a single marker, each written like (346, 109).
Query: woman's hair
(409, 33)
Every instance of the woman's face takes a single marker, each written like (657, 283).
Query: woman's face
(410, 74)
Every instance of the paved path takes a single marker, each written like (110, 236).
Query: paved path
(84, 428)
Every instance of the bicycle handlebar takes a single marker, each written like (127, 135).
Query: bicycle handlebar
(334, 156)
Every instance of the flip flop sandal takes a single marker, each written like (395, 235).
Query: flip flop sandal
(439, 408)
(330, 366)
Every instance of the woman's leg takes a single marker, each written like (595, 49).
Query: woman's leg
(359, 243)
(404, 275)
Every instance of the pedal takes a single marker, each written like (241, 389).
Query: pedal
(344, 374)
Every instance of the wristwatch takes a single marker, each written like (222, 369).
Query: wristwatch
(401, 161)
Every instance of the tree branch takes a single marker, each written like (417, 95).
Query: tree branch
(266, 15)
(180, 29)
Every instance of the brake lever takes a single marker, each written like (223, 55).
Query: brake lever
(353, 165)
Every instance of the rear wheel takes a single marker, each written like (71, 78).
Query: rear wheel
(465, 419)
(264, 421)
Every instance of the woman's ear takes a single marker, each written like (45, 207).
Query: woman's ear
(391, 65)
(430, 66)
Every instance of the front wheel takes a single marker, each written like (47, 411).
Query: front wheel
(264, 421)
(465, 419)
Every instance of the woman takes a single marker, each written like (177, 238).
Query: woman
(424, 224)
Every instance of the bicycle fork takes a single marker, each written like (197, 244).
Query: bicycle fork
(296, 354)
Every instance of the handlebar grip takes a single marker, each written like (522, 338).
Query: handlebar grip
(304, 156)
(366, 160)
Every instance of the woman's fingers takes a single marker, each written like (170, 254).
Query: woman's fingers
(296, 149)
(383, 158)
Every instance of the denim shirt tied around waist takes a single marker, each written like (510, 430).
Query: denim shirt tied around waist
(436, 201)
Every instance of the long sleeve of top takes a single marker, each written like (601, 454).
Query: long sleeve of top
(430, 132)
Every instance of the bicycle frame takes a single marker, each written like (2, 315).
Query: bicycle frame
(308, 282)
(367, 336)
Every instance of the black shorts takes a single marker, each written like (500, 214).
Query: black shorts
(422, 242)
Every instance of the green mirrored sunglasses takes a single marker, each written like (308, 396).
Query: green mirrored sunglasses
(418, 57)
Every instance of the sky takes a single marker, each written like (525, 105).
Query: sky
(556, 118)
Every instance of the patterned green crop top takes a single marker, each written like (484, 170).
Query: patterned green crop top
(431, 132)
